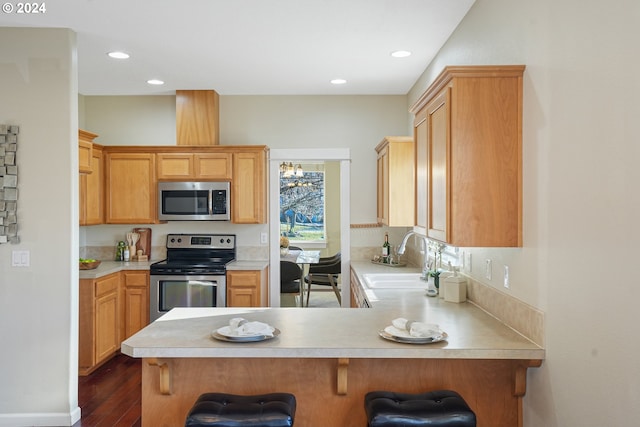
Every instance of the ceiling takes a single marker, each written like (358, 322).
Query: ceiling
(251, 47)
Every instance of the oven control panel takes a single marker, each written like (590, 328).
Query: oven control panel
(201, 241)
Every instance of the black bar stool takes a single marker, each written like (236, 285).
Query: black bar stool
(440, 408)
(230, 410)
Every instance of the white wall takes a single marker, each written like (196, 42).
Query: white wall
(581, 204)
(39, 304)
(355, 122)
(131, 120)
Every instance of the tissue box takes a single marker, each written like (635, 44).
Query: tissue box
(455, 289)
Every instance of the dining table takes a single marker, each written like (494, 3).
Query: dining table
(303, 258)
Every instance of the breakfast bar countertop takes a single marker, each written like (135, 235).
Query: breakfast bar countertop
(331, 333)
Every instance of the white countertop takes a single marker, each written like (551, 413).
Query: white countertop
(108, 267)
(337, 332)
(248, 265)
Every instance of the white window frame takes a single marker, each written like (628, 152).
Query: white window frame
(277, 156)
(322, 243)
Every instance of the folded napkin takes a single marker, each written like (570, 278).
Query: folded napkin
(415, 329)
(242, 327)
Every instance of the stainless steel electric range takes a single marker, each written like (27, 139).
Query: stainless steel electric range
(194, 273)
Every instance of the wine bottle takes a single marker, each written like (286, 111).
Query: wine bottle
(386, 249)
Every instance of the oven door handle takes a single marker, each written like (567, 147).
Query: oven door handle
(201, 283)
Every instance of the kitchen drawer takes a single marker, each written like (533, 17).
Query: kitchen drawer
(139, 279)
(107, 284)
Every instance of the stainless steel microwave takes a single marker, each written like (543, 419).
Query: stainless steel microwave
(194, 201)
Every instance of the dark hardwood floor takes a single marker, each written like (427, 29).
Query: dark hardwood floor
(111, 395)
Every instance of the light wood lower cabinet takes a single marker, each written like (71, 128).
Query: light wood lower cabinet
(135, 302)
(112, 308)
(358, 299)
(246, 288)
(99, 321)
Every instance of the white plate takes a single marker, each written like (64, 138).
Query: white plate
(224, 334)
(394, 334)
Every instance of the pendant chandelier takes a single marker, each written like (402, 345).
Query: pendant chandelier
(287, 170)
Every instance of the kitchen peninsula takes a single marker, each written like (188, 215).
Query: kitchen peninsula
(329, 359)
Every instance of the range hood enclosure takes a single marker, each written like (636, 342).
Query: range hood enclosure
(197, 117)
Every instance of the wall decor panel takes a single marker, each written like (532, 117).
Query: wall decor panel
(8, 184)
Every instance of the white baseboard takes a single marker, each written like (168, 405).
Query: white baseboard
(40, 419)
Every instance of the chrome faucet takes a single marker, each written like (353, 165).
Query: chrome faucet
(403, 246)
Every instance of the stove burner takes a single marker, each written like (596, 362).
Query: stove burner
(199, 254)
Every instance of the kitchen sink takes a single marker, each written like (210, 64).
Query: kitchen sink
(393, 280)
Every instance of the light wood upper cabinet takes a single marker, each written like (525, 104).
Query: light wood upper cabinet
(197, 166)
(248, 187)
(85, 147)
(395, 181)
(246, 288)
(468, 133)
(420, 148)
(130, 187)
(244, 166)
(197, 115)
(131, 175)
(437, 168)
(174, 165)
(91, 180)
(92, 191)
(214, 166)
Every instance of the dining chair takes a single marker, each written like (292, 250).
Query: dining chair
(325, 273)
(290, 277)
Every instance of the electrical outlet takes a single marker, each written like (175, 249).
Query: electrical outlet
(264, 238)
(506, 276)
(487, 269)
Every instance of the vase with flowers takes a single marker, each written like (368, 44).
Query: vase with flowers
(436, 248)
(284, 245)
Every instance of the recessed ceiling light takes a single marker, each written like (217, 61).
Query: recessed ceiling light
(338, 81)
(155, 82)
(400, 53)
(118, 55)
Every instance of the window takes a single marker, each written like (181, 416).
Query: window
(302, 203)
